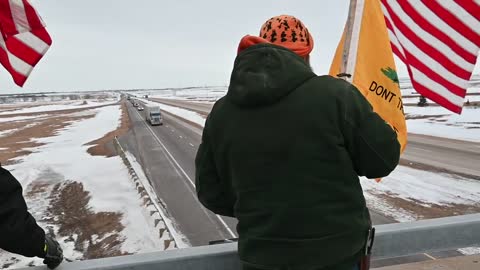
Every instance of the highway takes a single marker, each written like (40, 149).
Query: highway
(167, 155)
(447, 155)
(460, 157)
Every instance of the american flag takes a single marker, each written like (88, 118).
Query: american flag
(23, 40)
(439, 42)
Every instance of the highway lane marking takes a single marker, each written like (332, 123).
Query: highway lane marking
(171, 160)
(429, 256)
(232, 234)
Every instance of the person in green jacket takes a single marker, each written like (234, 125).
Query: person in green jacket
(282, 152)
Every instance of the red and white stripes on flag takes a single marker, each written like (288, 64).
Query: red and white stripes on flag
(23, 40)
(439, 41)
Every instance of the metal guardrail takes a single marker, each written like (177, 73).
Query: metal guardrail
(392, 240)
(150, 203)
(402, 239)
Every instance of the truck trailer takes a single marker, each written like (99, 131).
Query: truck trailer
(153, 115)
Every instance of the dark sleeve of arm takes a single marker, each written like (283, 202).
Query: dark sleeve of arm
(19, 232)
(214, 193)
(371, 142)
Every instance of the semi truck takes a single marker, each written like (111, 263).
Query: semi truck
(153, 115)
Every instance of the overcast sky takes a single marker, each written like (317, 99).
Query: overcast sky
(119, 44)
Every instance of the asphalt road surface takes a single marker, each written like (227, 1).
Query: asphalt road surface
(167, 155)
(456, 156)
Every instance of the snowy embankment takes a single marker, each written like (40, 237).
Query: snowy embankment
(64, 183)
(409, 194)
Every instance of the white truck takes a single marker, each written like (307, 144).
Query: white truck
(153, 115)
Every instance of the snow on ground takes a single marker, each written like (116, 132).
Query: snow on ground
(437, 121)
(34, 98)
(7, 132)
(470, 251)
(59, 107)
(213, 93)
(208, 93)
(409, 194)
(64, 157)
(20, 118)
(474, 90)
(422, 188)
(183, 113)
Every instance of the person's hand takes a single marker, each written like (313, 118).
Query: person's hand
(53, 252)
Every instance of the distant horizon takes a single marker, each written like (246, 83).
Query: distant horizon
(474, 77)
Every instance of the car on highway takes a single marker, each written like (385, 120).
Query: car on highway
(135, 104)
(140, 108)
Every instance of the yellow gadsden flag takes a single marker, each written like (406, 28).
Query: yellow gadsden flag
(371, 65)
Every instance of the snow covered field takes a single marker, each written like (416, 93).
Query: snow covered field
(63, 182)
(409, 194)
(24, 98)
(213, 93)
(58, 106)
(209, 94)
(437, 121)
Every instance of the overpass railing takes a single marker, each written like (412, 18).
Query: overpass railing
(392, 240)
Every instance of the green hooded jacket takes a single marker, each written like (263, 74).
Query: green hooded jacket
(282, 152)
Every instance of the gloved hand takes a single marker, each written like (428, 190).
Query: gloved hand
(53, 252)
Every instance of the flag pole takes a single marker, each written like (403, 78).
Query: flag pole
(348, 40)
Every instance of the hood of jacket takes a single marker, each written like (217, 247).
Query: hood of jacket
(265, 73)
